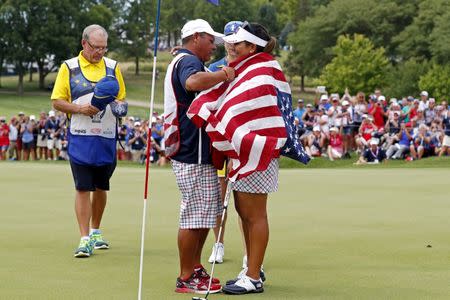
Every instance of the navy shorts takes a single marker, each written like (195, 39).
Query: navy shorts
(90, 178)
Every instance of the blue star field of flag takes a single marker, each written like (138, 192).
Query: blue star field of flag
(293, 148)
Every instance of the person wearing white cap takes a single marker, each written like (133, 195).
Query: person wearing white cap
(190, 151)
(136, 140)
(324, 103)
(335, 147)
(365, 132)
(423, 104)
(51, 128)
(316, 142)
(373, 154)
(346, 115)
(4, 137)
(26, 130)
(89, 88)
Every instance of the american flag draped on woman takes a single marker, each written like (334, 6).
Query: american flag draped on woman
(250, 123)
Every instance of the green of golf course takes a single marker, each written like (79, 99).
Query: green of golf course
(364, 233)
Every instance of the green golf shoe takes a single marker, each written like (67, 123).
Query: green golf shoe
(85, 248)
(98, 241)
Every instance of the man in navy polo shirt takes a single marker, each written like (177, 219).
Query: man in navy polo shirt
(189, 149)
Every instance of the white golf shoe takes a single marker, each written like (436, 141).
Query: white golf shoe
(220, 253)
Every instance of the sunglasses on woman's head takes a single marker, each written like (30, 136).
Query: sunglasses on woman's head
(246, 25)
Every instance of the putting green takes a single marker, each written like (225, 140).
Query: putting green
(335, 234)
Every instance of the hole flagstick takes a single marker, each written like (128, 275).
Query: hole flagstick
(147, 160)
(149, 136)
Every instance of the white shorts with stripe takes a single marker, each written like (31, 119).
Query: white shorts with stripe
(260, 182)
(200, 195)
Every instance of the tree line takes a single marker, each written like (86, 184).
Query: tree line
(402, 46)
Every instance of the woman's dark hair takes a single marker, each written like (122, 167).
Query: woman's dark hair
(261, 32)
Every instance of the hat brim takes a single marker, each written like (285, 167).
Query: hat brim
(243, 35)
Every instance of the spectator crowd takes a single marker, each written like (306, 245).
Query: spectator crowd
(374, 127)
(45, 138)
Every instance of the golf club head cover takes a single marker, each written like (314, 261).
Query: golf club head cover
(119, 108)
(105, 92)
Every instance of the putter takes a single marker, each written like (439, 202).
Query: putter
(225, 206)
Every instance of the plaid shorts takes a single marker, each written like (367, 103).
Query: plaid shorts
(200, 195)
(260, 182)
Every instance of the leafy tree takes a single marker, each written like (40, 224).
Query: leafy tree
(378, 20)
(135, 31)
(174, 14)
(50, 35)
(419, 38)
(218, 16)
(403, 78)
(357, 65)
(437, 81)
(440, 39)
(15, 15)
(267, 16)
(4, 49)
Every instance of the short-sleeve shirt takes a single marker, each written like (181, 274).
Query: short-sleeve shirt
(138, 144)
(92, 71)
(218, 65)
(51, 125)
(191, 137)
(371, 156)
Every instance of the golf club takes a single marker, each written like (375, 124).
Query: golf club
(225, 206)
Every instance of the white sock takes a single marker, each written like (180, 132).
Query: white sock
(86, 238)
(252, 278)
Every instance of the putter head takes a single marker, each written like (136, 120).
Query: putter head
(198, 298)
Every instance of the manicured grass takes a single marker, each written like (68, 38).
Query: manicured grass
(335, 234)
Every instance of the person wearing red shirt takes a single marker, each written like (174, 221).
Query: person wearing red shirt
(376, 110)
(365, 132)
(336, 146)
(413, 111)
(4, 138)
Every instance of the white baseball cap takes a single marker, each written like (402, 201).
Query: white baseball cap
(316, 128)
(381, 98)
(335, 129)
(137, 123)
(373, 142)
(199, 26)
(424, 93)
(51, 113)
(345, 102)
(32, 117)
(323, 97)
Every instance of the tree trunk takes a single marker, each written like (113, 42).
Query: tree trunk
(41, 80)
(175, 38)
(1, 70)
(43, 72)
(30, 77)
(136, 61)
(168, 39)
(302, 83)
(20, 83)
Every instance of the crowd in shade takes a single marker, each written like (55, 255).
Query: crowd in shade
(374, 127)
(24, 137)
